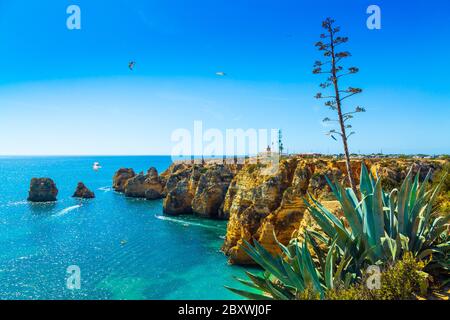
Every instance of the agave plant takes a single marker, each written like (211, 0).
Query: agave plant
(288, 276)
(377, 229)
(382, 226)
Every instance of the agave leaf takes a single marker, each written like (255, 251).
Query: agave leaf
(318, 251)
(392, 221)
(414, 190)
(377, 211)
(259, 281)
(353, 217)
(369, 223)
(345, 261)
(349, 278)
(248, 283)
(329, 281)
(402, 203)
(249, 295)
(319, 236)
(262, 257)
(434, 196)
(325, 224)
(437, 224)
(427, 252)
(404, 242)
(424, 185)
(365, 185)
(328, 214)
(280, 293)
(295, 279)
(310, 269)
(332, 185)
(417, 222)
(283, 248)
(390, 246)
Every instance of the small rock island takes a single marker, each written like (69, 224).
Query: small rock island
(83, 192)
(42, 190)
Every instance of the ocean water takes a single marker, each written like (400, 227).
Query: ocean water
(125, 248)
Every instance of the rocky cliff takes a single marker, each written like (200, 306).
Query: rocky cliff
(259, 199)
(186, 188)
(262, 202)
(121, 177)
(148, 186)
(198, 189)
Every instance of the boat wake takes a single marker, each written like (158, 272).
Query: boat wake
(67, 210)
(187, 223)
(15, 203)
(105, 189)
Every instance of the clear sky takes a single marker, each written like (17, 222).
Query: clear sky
(71, 92)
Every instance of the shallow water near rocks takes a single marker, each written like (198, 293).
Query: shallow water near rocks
(125, 248)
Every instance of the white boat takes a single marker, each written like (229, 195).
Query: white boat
(96, 166)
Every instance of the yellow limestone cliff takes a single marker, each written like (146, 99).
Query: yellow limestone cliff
(261, 202)
(259, 199)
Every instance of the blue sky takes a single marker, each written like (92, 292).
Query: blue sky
(70, 91)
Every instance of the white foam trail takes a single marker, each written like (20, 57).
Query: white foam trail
(15, 203)
(105, 189)
(187, 223)
(66, 210)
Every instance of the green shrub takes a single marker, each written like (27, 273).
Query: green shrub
(405, 280)
(443, 200)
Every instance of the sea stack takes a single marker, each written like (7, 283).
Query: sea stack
(42, 190)
(149, 186)
(121, 177)
(144, 186)
(83, 192)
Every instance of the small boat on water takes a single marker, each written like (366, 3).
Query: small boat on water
(96, 166)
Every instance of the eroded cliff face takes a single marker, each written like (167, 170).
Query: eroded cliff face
(148, 186)
(210, 192)
(262, 202)
(121, 177)
(197, 189)
(259, 199)
(186, 188)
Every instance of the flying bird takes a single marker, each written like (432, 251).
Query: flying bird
(220, 74)
(131, 65)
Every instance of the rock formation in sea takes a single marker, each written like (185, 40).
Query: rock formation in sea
(197, 189)
(83, 192)
(148, 185)
(210, 193)
(259, 199)
(42, 190)
(121, 177)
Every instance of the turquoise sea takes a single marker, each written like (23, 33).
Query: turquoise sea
(125, 248)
